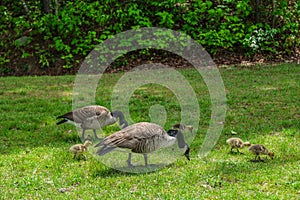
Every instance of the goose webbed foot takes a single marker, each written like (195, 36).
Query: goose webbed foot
(129, 165)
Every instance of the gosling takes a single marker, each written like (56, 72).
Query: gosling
(237, 143)
(259, 149)
(79, 149)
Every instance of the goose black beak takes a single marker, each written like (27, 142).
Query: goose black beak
(187, 153)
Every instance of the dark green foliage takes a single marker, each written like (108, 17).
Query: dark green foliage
(69, 30)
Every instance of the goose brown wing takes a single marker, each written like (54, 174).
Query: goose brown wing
(81, 114)
(68, 115)
(118, 139)
(133, 137)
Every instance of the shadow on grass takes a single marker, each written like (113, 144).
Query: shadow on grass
(127, 171)
(137, 170)
(246, 166)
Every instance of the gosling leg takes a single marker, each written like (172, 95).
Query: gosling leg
(255, 158)
(261, 160)
(239, 152)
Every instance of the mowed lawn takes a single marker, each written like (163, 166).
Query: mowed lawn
(263, 107)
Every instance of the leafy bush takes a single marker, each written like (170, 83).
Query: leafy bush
(71, 29)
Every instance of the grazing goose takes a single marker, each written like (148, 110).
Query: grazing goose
(92, 117)
(78, 149)
(258, 149)
(237, 143)
(142, 138)
(183, 127)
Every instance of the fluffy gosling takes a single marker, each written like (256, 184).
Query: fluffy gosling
(79, 149)
(259, 149)
(237, 143)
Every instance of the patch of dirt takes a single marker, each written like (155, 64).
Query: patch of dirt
(30, 65)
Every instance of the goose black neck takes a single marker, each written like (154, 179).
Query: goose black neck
(180, 139)
(122, 121)
(181, 142)
(187, 152)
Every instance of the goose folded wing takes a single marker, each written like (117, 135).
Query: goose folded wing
(119, 139)
(90, 111)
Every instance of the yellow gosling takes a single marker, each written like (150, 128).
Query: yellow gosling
(79, 149)
(237, 143)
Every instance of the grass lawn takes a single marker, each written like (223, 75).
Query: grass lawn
(262, 107)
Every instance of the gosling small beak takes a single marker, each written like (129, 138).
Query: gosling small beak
(187, 153)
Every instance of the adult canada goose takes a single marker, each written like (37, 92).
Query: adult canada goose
(144, 138)
(78, 149)
(92, 117)
(259, 149)
(236, 143)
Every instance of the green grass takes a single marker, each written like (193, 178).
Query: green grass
(262, 107)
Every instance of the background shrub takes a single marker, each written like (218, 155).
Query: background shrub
(49, 34)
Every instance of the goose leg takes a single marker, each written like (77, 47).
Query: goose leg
(146, 160)
(89, 137)
(82, 136)
(129, 160)
(95, 134)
